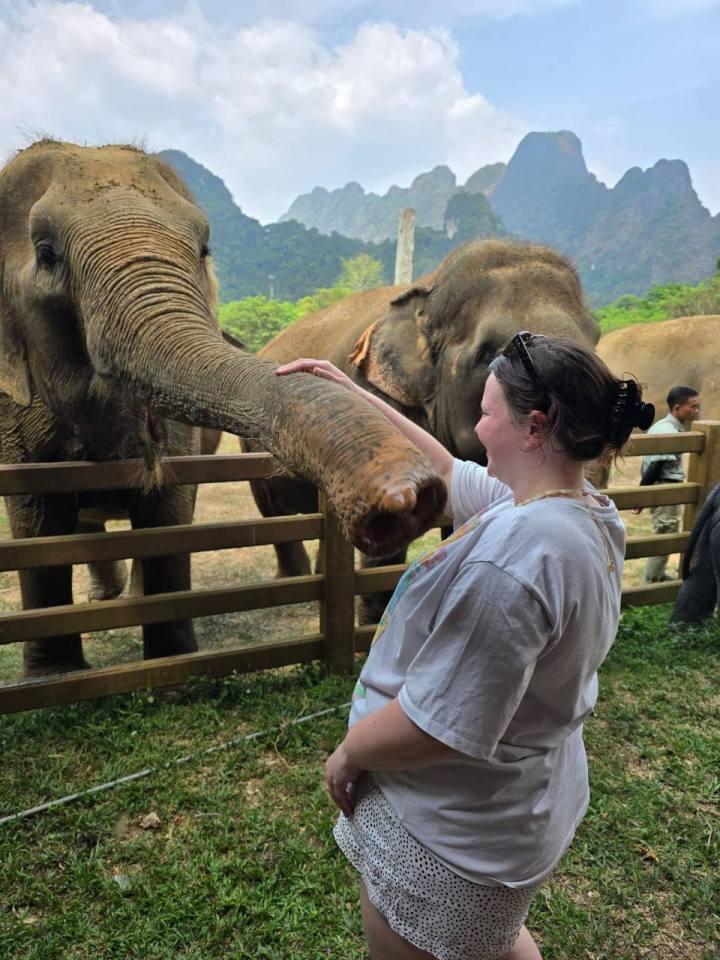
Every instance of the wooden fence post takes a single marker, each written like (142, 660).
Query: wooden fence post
(337, 610)
(703, 468)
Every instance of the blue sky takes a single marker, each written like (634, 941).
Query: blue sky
(279, 97)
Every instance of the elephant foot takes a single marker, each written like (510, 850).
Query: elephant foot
(36, 670)
(56, 655)
(107, 580)
(168, 640)
(104, 593)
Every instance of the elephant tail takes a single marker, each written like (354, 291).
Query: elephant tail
(712, 502)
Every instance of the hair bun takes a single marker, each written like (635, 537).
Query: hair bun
(643, 415)
(628, 409)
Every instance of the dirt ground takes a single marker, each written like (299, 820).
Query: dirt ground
(232, 501)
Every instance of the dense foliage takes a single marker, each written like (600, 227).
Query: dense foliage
(662, 303)
(256, 320)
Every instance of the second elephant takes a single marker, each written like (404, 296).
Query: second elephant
(425, 349)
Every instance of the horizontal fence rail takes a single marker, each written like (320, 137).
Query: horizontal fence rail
(339, 639)
(69, 477)
(158, 541)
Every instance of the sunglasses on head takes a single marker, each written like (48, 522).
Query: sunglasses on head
(517, 345)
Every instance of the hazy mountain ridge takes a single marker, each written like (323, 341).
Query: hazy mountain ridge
(650, 228)
(350, 211)
(247, 254)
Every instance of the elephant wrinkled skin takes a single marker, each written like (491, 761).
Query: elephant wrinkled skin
(109, 348)
(669, 353)
(425, 349)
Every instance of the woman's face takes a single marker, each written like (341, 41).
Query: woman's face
(504, 442)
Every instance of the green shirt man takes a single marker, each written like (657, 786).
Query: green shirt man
(683, 407)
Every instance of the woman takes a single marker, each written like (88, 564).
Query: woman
(463, 777)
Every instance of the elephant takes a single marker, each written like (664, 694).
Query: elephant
(700, 592)
(667, 353)
(425, 349)
(110, 349)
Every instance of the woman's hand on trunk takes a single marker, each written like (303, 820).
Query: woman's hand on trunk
(319, 368)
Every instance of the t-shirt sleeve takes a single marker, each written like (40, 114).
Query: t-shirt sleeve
(465, 683)
(471, 490)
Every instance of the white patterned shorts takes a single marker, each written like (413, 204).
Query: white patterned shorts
(422, 900)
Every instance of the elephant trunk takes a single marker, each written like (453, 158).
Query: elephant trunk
(148, 324)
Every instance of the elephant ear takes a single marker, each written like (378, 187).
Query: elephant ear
(14, 369)
(393, 353)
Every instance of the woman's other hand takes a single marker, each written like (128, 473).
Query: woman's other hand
(340, 775)
(319, 368)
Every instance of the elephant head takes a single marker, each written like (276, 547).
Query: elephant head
(107, 325)
(432, 348)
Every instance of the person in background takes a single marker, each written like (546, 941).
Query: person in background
(683, 407)
(463, 777)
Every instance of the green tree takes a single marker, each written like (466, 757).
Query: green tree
(361, 272)
(256, 320)
(662, 303)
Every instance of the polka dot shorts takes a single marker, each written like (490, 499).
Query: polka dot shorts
(422, 900)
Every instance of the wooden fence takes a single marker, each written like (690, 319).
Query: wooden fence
(339, 638)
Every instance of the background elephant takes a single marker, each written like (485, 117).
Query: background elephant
(109, 349)
(700, 592)
(425, 349)
(666, 354)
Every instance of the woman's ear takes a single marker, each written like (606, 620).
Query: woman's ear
(536, 428)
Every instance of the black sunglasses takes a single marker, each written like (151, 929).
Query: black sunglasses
(518, 345)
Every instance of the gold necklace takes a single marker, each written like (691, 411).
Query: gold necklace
(570, 492)
(574, 492)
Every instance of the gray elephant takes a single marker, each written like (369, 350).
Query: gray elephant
(425, 349)
(110, 349)
(700, 592)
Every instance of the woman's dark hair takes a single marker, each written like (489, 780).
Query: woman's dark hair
(589, 411)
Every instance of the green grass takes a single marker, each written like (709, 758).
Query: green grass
(242, 864)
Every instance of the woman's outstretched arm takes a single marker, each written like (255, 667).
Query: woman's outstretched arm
(436, 453)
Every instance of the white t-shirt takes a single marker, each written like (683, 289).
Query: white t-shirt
(491, 642)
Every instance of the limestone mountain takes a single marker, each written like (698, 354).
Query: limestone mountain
(352, 212)
(294, 260)
(250, 258)
(649, 229)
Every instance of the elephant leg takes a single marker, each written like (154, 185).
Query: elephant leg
(46, 516)
(107, 577)
(167, 507)
(372, 605)
(697, 597)
(715, 555)
(281, 497)
(701, 588)
(136, 578)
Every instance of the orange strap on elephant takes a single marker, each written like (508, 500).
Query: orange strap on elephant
(364, 357)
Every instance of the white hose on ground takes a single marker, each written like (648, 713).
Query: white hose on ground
(148, 771)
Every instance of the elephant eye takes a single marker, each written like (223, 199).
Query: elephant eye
(45, 255)
(484, 354)
(204, 251)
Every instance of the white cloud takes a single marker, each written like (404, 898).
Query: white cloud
(269, 107)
